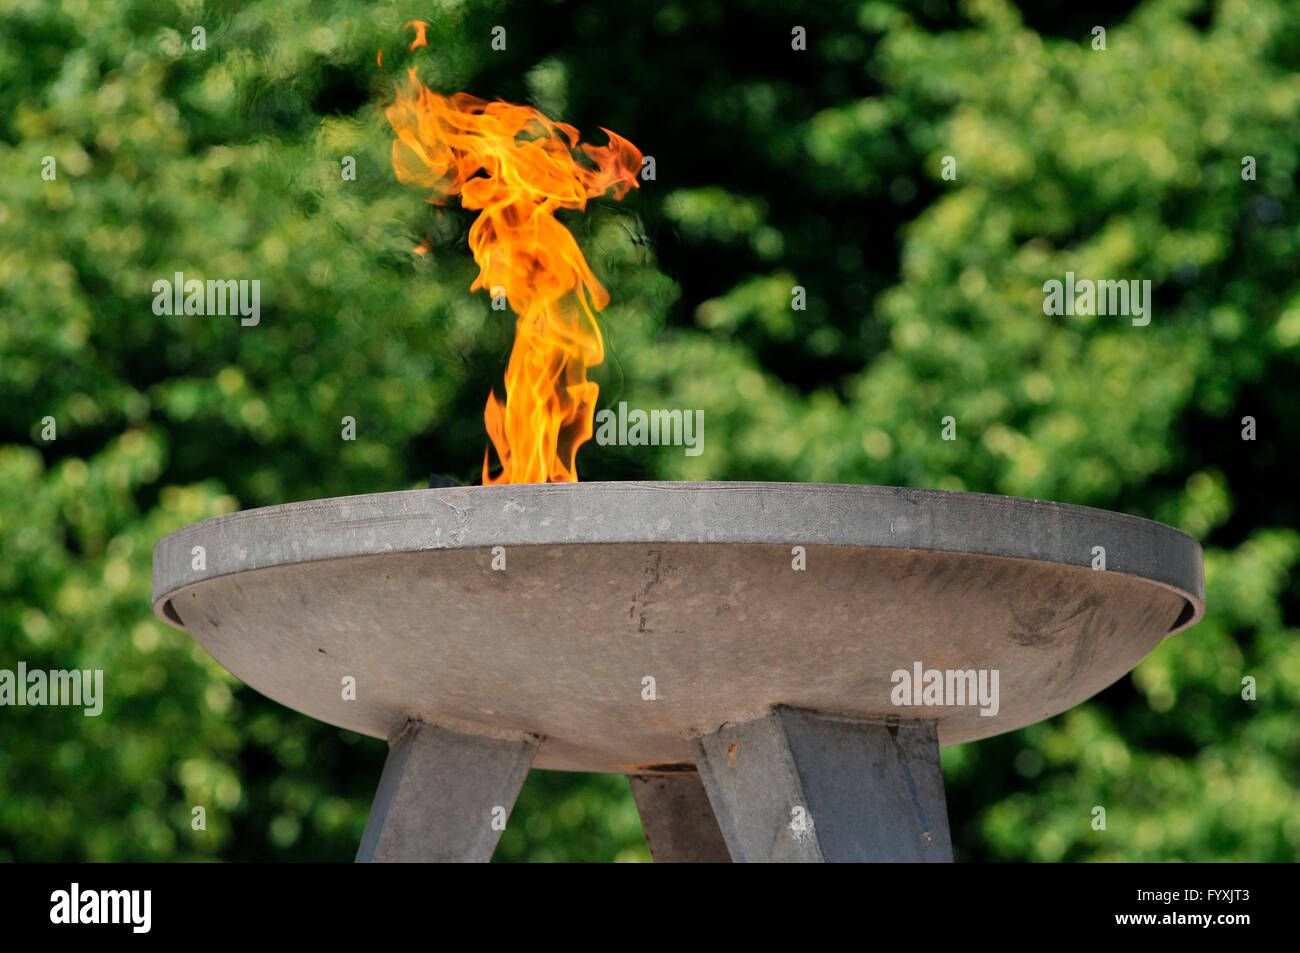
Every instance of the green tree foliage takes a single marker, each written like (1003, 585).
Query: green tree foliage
(775, 167)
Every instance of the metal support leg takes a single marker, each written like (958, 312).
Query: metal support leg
(444, 796)
(677, 819)
(811, 787)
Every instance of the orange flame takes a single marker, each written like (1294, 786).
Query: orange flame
(420, 26)
(519, 168)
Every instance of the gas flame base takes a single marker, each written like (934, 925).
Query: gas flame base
(807, 648)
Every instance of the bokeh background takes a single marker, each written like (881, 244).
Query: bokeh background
(774, 168)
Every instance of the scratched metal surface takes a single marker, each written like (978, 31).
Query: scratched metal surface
(692, 585)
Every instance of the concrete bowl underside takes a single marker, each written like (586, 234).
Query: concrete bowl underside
(692, 585)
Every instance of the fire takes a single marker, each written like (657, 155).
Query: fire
(519, 168)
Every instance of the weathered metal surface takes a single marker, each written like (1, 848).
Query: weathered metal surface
(609, 585)
(799, 786)
(444, 797)
(677, 819)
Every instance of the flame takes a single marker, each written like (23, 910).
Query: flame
(420, 40)
(420, 26)
(518, 167)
